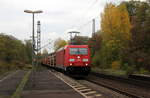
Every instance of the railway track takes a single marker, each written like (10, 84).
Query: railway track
(88, 89)
(145, 78)
(122, 86)
(126, 86)
(131, 80)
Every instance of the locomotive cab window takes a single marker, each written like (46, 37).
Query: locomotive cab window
(77, 51)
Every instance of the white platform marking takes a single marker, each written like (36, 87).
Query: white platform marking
(78, 87)
(8, 76)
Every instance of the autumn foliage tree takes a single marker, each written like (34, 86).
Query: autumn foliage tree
(115, 26)
(125, 37)
(59, 43)
(95, 44)
(115, 23)
(139, 51)
(13, 52)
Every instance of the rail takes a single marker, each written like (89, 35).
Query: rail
(113, 81)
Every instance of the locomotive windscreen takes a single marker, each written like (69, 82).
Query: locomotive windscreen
(78, 51)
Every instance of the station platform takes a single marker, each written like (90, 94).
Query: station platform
(9, 83)
(43, 84)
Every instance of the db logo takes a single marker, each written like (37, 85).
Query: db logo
(79, 59)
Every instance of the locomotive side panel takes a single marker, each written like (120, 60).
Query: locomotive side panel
(60, 58)
(52, 60)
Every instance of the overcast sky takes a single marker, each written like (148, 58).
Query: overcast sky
(59, 16)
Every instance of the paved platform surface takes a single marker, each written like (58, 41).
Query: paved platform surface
(46, 85)
(9, 83)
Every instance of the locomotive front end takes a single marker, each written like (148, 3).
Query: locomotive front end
(78, 61)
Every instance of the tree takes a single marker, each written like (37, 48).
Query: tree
(115, 22)
(95, 43)
(45, 52)
(28, 49)
(115, 25)
(140, 44)
(13, 52)
(59, 43)
(80, 40)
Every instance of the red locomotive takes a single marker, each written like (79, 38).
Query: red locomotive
(74, 59)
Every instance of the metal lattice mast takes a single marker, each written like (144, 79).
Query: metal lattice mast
(38, 37)
(93, 28)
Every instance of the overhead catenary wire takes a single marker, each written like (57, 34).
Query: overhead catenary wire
(84, 25)
(90, 8)
(47, 45)
(88, 22)
(84, 13)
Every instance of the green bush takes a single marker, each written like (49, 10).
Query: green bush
(144, 71)
(130, 70)
(96, 60)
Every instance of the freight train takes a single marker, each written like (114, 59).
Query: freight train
(73, 59)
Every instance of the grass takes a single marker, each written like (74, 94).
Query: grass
(110, 71)
(19, 89)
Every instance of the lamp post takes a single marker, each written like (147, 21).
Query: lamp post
(33, 39)
(33, 42)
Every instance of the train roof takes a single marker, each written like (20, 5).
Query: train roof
(84, 46)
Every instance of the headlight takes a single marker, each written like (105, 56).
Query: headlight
(71, 60)
(85, 60)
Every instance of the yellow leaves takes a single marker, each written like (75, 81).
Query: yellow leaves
(114, 45)
(115, 22)
(116, 65)
(59, 43)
